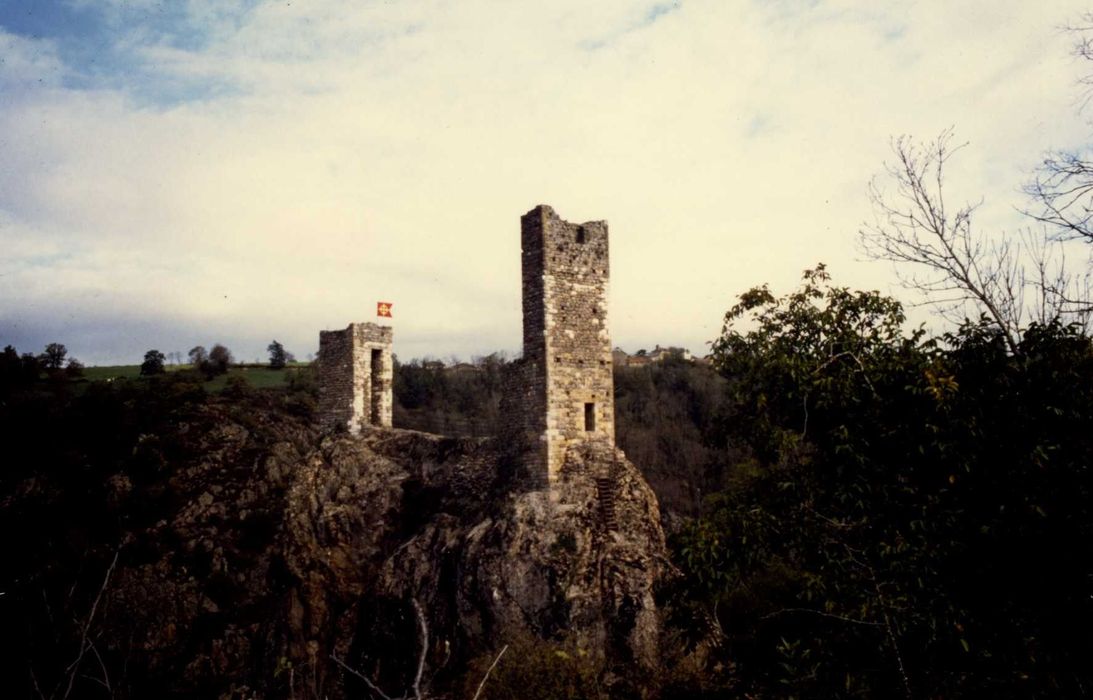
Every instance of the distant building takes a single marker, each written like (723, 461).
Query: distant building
(660, 354)
(642, 358)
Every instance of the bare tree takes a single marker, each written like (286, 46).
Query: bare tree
(957, 268)
(1082, 48)
(1062, 194)
(944, 258)
(1062, 188)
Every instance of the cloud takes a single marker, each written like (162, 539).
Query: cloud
(246, 171)
(27, 65)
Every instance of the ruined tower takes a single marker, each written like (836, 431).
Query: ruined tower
(355, 377)
(564, 385)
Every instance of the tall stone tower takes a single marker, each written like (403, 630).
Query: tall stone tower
(355, 377)
(565, 384)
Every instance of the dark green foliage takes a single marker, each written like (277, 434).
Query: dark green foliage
(220, 358)
(17, 372)
(666, 418)
(911, 519)
(278, 357)
(463, 399)
(73, 369)
(302, 395)
(665, 413)
(153, 363)
(198, 356)
(53, 358)
(211, 363)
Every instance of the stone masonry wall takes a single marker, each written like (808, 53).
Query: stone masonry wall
(353, 392)
(523, 405)
(567, 348)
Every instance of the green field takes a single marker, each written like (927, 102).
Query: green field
(257, 377)
(98, 374)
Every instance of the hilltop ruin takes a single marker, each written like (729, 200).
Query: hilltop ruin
(560, 393)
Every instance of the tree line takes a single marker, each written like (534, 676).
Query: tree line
(20, 371)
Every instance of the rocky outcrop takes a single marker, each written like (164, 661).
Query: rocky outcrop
(397, 518)
(547, 564)
(274, 549)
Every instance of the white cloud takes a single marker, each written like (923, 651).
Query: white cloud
(388, 150)
(27, 64)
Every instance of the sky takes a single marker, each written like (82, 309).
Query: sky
(236, 171)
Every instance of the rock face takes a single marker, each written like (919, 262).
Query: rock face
(419, 518)
(580, 559)
(281, 554)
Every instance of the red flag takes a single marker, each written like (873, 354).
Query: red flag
(383, 308)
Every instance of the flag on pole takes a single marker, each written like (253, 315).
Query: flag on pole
(383, 309)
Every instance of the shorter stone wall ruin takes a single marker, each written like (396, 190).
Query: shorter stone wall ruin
(356, 374)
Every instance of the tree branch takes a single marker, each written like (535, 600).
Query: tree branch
(482, 683)
(1006, 278)
(424, 629)
(73, 668)
(367, 681)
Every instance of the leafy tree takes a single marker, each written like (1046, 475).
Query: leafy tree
(153, 363)
(817, 357)
(890, 530)
(278, 358)
(198, 356)
(17, 372)
(54, 356)
(219, 359)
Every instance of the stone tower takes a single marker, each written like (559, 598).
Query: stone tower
(355, 377)
(565, 389)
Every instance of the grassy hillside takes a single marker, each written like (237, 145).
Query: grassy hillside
(257, 376)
